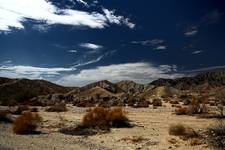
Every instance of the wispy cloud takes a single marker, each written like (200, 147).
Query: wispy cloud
(161, 47)
(157, 44)
(191, 31)
(15, 12)
(197, 52)
(90, 46)
(83, 2)
(30, 71)
(73, 51)
(139, 72)
(212, 17)
(112, 18)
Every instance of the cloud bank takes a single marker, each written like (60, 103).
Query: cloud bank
(139, 72)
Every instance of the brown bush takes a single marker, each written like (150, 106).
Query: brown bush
(141, 104)
(181, 111)
(57, 108)
(157, 102)
(197, 108)
(177, 129)
(117, 118)
(195, 142)
(26, 123)
(104, 118)
(184, 132)
(216, 135)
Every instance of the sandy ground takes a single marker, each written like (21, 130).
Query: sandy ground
(150, 124)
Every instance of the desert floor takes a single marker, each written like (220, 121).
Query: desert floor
(150, 124)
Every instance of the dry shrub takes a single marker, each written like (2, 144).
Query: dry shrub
(26, 123)
(61, 107)
(216, 135)
(195, 142)
(197, 108)
(6, 117)
(104, 118)
(174, 102)
(157, 102)
(181, 111)
(183, 131)
(177, 129)
(117, 118)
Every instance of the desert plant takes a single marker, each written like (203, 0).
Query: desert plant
(61, 107)
(177, 129)
(157, 102)
(26, 123)
(117, 118)
(104, 118)
(216, 135)
(221, 102)
(197, 108)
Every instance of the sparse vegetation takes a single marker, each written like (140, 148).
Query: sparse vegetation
(104, 118)
(61, 107)
(177, 129)
(197, 108)
(183, 131)
(26, 123)
(157, 102)
(216, 135)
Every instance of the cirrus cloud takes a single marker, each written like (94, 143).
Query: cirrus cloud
(15, 12)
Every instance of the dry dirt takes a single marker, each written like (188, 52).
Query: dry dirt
(150, 124)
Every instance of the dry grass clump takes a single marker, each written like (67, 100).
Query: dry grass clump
(177, 129)
(104, 118)
(157, 102)
(61, 107)
(216, 135)
(183, 131)
(6, 117)
(26, 123)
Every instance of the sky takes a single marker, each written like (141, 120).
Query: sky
(76, 42)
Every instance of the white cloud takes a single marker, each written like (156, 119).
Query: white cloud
(83, 2)
(191, 33)
(73, 51)
(15, 12)
(112, 18)
(139, 72)
(30, 71)
(91, 46)
(161, 47)
(197, 52)
(153, 42)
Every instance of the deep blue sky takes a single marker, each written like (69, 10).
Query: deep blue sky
(139, 40)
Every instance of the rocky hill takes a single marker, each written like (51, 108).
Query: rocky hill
(23, 89)
(210, 79)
